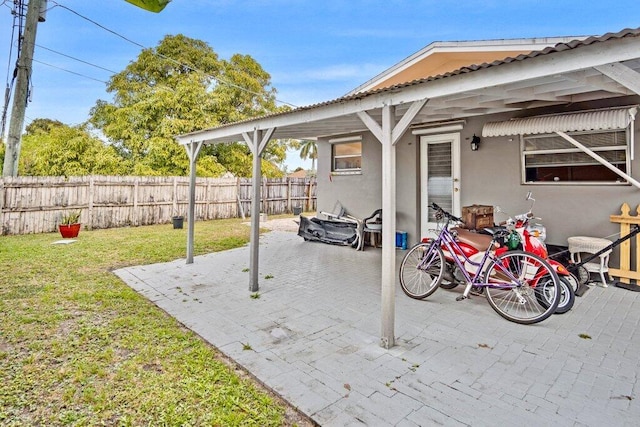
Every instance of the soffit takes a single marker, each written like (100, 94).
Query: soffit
(464, 52)
(443, 62)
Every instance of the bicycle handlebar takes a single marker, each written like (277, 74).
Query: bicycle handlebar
(445, 213)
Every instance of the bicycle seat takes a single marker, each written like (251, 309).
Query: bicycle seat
(493, 230)
(481, 242)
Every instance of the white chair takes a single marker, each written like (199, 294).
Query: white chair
(372, 229)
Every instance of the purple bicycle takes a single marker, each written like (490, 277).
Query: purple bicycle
(514, 281)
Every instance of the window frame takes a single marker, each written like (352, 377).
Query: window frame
(345, 171)
(572, 149)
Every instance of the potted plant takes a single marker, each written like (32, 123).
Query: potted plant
(70, 225)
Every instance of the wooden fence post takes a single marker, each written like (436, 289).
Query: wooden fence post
(309, 204)
(625, 220)
(265, 196)
(238, 193)
(175, 197)
(90, 203)
(207, 198)
(289, 207)
(136, 213)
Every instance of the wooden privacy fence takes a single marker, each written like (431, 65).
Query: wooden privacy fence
(627, 270)
(37, 204)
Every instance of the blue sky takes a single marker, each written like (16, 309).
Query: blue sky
(315, 50)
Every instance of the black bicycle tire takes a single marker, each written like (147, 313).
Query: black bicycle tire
(404, 264)
(567, 298)
(561, 309)
(492, 294)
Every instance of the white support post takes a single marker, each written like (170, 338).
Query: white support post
(389, 134)
(387, 339)
(257, 144)
(193, 149)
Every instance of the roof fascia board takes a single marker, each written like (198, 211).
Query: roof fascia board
(323, 112)
(595, 54)
(531, 45)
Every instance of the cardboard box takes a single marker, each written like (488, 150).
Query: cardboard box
(477, 217)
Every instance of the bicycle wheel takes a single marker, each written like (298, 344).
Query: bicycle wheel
(448, 283)
(421, 270)
(515, 299)
(544, 293)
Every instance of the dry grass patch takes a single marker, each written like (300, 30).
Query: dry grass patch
(79, 347)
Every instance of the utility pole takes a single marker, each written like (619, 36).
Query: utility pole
(25, 60)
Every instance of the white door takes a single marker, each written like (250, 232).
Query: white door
(439, 177)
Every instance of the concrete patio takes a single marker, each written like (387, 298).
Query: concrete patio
(314, 335)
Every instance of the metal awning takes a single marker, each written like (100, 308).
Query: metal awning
(610, 119)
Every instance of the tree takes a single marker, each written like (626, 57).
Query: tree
(150, 5)
(50, 148)
(179, 87)
(309, 150)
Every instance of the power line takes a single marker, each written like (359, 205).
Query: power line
(69, 71)
(99, 25)
(189, 67)
(76, 59)
(152, 86)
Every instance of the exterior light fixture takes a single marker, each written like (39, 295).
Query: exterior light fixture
(475, 143)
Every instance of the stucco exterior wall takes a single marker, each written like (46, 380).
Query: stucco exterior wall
(360, 193)
(566, 209)
(489, 176)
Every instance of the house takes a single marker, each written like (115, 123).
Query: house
(574, 192)
(559, 121)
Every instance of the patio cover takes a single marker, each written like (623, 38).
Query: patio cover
(590, 69)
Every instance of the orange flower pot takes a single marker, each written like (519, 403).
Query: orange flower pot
(69, 231)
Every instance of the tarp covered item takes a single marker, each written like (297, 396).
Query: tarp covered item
(328, 231)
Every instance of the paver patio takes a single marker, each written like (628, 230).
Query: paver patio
(314, 338)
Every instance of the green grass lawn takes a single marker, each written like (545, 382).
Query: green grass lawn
(79, 347)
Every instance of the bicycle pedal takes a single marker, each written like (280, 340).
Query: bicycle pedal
(461, 297)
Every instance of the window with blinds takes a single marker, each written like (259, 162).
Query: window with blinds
(551, 158)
